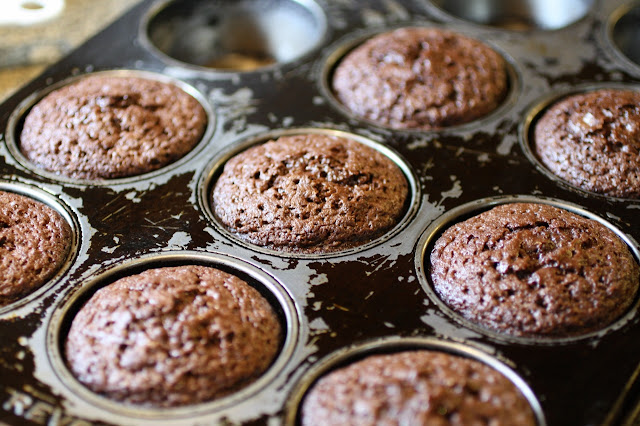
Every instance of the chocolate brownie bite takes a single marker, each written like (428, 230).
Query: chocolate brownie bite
(173, 336)
(34, 244)
(592, 140)
(421, 78)
(415, 387)
(529, 269)
(310, 193)
(105, 127)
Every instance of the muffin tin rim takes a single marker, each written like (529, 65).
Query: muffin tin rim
(355, 352)
(536, 109)
(450, 202)
(68, 306)
(344, 45)
(429, 236)
(68, 215)
(199, 70)
(612, 20)
(19, 113)
(212, 170)
(531, 30)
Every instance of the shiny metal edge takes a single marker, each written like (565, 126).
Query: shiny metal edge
(396, 344)
(68, 215)
(568, 25)
(23, 108)
(197, 70)
(534, 112)
(206, 182)
(433, 231)
(70, 303)
(609, 28)
(343, 46)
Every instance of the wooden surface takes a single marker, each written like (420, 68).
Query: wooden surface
(25, 51)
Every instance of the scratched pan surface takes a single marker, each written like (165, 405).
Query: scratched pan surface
(376, 298)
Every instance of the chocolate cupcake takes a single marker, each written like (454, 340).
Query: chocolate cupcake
(529, 269)
(415, 387)
(173, 336)
(421, 78)
(34, 243)
(104, 127)
(592, 140)
(310, 193)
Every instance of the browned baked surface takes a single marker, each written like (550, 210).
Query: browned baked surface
(310, 193)
(103, 127)
(173, 336)
(533, 269)
(592, 140)
(421, 78)
(415, 388)
(34, 243)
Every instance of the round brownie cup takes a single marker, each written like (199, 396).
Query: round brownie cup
(104, 127)
(534, 270)
(34, 244)
(310, 193)
(421, 78)
(418, 388)
(592, 140)
(173, 336)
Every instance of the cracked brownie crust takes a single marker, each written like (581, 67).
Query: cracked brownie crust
(534, 270)
(592, 140)
(173, 336)
(103, 127)
(415, 387)
(34, 243)
(421, 78)
(310, 193)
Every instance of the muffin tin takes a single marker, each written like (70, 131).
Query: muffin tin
(374, 298)
(214, 169)
(474, 208)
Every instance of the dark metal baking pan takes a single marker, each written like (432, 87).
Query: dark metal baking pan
(354, 298)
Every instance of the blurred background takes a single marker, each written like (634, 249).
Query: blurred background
(36, 33)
